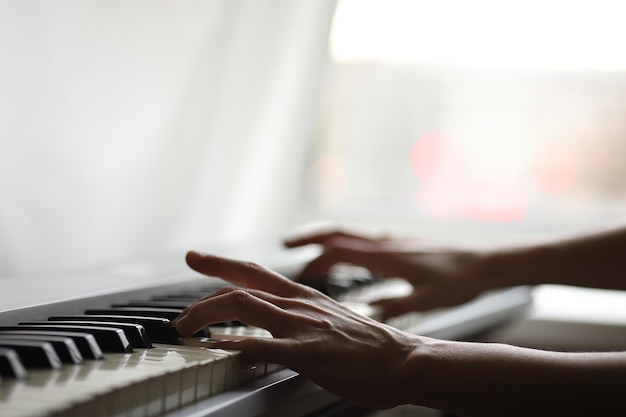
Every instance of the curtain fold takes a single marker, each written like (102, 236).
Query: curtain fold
(130, 128)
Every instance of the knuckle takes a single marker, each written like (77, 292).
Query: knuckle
(325, 324)
(190, 311)
(332, 234)
(240, 297)
(253, 266)
(193, 310)
(308, 291)
(334, 242)
(191, 315)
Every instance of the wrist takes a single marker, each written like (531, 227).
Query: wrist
(420, 381)
(491, 379)
(521, 265)
(471, 379)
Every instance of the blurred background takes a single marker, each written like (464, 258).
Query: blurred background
(474, 115)
(135, 128)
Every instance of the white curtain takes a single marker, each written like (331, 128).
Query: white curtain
(130, 128)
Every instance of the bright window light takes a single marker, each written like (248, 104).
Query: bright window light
(530, 34)
(474, 111)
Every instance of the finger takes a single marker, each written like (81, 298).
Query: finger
(325, 236)
(224, 290)
(393, 307)
(245, 274)
(237, 304)
(262, 350)
(417, 301)
(361, 253)
(282, 302)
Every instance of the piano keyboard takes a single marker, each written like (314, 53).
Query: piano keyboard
(116, 354)
(118, 367)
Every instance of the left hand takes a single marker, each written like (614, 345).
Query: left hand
(441, 276)
(346, 353)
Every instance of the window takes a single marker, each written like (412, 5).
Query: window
(505, 114)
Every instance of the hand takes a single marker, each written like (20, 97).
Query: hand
(348, 354)
(376, 365)
(440, 276)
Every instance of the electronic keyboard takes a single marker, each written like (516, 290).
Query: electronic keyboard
(101, 344)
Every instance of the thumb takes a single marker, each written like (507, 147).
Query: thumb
(261, 350)
(416, 301)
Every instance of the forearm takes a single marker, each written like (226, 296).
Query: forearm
(595, 260)
(476, 379)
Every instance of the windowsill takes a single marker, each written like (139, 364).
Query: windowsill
(569, 319)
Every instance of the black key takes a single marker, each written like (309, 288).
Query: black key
(159, 330)
(166, 313)
(232, 323)
(173, 305)
(33, 353)
(334, 288)
(86, 343)
(337, 285)
(135, 333)
(65, 347)
(110, 340)
(10, 364)
(164, 302)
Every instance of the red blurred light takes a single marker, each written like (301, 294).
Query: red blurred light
(437, 158)
(554, 168)
(448, 192)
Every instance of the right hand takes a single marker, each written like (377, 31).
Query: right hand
(348, 354)
(440, 276)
